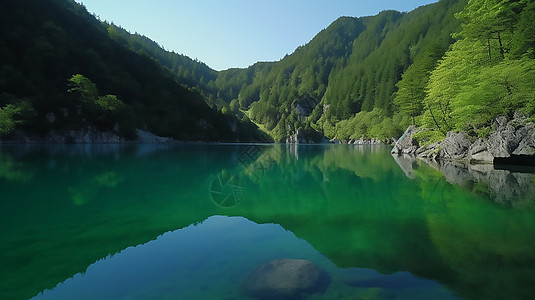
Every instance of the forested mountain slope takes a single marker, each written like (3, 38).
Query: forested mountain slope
(488, 72)
(352, 66)
(61, 71)
(451, 65)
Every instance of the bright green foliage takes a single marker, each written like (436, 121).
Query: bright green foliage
(85, 89)
(109, 103)
(234, 106)
(373, 124)
(411, 88)
(7, 124)
(14, 114)
(428, 136)
(524, 35)
(480, 77)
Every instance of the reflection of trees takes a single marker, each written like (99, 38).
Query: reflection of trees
(89, 189)
(367, 214)
(12, 170)
(486, 244)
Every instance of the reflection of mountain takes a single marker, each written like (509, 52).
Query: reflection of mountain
(352, 204)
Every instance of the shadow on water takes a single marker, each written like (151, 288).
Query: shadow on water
(145, 216)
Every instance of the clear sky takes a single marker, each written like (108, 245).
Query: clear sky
(235, 33)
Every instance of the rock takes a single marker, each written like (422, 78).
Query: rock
(88, 135)
(510, 138)
(454, 146)
(297, 138)
(363, 141)
(406, 143)
(147, 137)
(335, 141)
(515, 138)
(527, 144)
(305, 137)
(284, 279)
(479, 152)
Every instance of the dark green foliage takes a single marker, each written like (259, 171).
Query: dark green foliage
(43, 43)
(192, 73)
(360, 77)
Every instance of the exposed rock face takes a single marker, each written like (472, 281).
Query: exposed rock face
(304, 137)
(298, 138)
(513, 138)
(406, 143)
(284, 279)
(363, 141)
(510, 138)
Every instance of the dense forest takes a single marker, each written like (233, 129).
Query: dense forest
(343, 82)
(61, 71)
(488, 72)
(451, 65)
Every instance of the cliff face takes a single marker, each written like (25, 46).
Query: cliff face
(512, 141)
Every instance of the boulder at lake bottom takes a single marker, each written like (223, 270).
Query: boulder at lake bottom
(285, 279)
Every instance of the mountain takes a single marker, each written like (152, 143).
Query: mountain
(61, 71)
(452, 65)
(351, 66)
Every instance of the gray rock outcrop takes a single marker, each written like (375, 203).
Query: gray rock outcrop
(302, 136)
(406, 144)
(510, 138)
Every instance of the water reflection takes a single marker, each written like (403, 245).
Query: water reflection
(210, 261)
(353, 207)
(501, 185)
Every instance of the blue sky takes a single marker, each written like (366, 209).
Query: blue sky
(235, 33)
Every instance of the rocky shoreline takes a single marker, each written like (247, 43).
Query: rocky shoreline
(512, 142)
(302, 137)
(88, 136)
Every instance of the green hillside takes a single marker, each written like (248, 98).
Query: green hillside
(61, 71)
(451, 65)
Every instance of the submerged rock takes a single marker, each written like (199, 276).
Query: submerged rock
(284, 279)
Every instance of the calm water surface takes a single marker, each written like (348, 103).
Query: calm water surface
(191, 222)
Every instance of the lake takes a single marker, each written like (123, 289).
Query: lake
(193, 222)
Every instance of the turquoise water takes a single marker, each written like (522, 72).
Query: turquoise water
(192, 221)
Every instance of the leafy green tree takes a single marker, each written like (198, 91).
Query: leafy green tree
(109, 103)
(13, 115)
(85, 90)
(479, 79)
(234, 106)
(524, 36)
